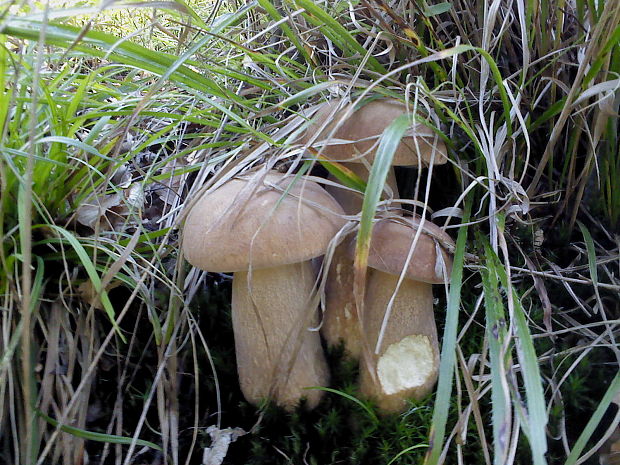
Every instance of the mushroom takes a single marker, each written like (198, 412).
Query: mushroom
(267, 233)
(353, 140)
(404, 363)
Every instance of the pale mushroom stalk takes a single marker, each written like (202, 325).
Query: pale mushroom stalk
(353, 137)
(268, 240)
(405, 363)
(291, 359)
(340, 320)
(408, 367)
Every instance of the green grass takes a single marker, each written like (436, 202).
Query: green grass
(113, 120)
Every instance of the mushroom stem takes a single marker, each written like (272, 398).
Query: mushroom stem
(277, 356)
(407, 362)
(340, 320)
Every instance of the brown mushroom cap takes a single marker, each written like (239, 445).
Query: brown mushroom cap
(364, 127)
(390, 243)
(220, 232)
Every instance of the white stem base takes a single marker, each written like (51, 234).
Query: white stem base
(408, 360)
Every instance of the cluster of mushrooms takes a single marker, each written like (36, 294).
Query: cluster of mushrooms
(268, 227)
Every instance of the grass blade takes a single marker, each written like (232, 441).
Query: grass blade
(499, 354)
(369, 411)
(276, 16)
(613, 389)
(91, 271)
(448, 349)
(591, 250)
(378, 174)
(536, 422)
(341, 36)
(100, 437)
(406, 451)
(100, 44)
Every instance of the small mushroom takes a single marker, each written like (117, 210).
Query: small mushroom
(353, 141)
(356, 135)
(404, 364)
(267, 233)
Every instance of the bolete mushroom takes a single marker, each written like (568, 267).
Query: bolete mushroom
(404, 363)
(351, 139)
(266, 232)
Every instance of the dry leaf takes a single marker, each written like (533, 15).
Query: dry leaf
(89, 294)
(93, 209)
(221, 439)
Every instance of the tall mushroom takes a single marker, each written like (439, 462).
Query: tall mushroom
(351, 139)
(404, 363)
(267, 234)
